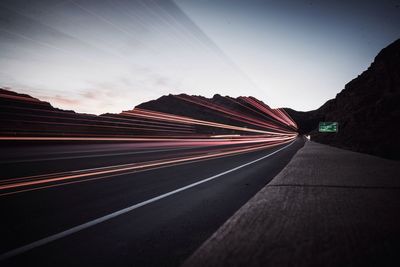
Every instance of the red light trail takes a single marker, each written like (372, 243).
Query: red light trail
(231, 127)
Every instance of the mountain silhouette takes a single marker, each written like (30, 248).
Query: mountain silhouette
(23, 115)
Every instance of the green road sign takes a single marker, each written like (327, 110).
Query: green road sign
(328, 127)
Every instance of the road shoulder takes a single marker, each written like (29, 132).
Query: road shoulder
(328, 207)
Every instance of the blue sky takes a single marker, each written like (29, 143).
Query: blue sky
(110, 55)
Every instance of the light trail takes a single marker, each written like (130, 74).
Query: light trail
(247, 116)
(105, 126)
(168, 117)
(267, 110)
(230, 127)
(112, 119)
(47, 179)
(133, 139)
(105, 120)
(230, 113)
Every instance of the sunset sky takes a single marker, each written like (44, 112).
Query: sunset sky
(100, 56)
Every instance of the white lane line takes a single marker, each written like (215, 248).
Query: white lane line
(78, 228)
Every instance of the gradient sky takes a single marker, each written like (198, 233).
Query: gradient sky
(100, 56)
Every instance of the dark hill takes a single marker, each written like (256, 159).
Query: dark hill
(22, 115)
(367, 109)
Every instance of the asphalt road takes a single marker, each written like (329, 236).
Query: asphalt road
(68, 225)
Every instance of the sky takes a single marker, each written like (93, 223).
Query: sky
(98, 56)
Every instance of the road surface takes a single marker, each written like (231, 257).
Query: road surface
(155, 216)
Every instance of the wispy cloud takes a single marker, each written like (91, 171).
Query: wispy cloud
(107, 56)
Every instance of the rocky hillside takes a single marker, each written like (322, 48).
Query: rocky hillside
(367, 109)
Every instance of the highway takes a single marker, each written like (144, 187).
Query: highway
(118, 204)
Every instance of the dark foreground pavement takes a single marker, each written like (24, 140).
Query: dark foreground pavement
(160, 233)
(328, 207)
